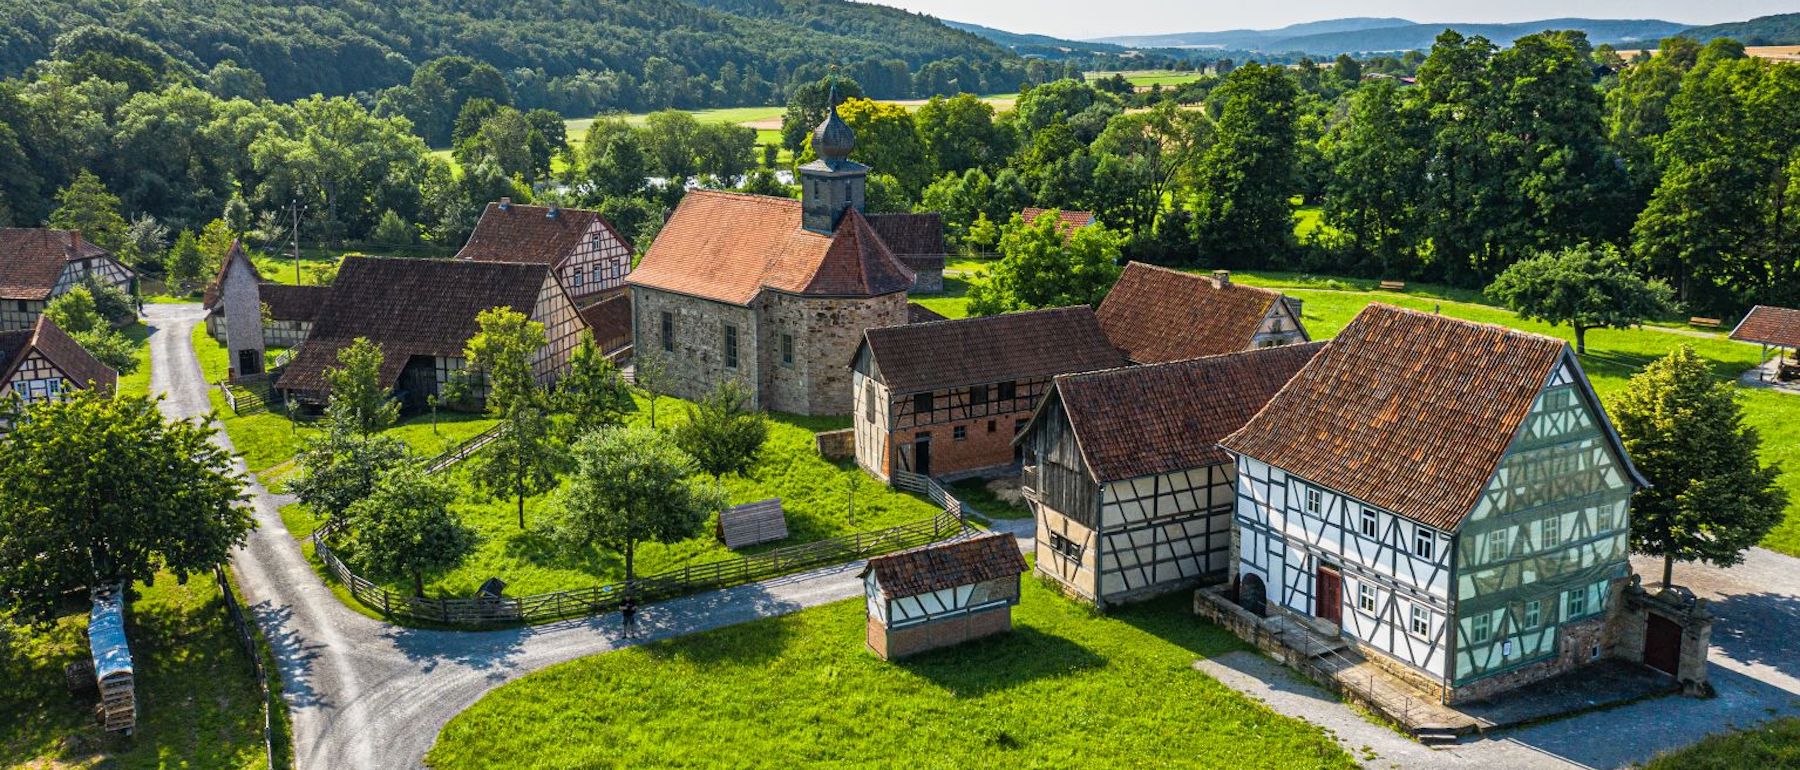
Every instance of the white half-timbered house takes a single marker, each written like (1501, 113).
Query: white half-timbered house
(589, 256)
(1446, 494)
(1132, 495)
(941, 594)
(43, 363)
(38, 264)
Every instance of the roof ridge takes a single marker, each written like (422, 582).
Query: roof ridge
(974, 318)
(1188, 362)
(1502, 328)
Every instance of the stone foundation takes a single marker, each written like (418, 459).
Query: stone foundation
(892, 644)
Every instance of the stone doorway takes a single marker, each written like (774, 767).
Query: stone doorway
(1662, 645)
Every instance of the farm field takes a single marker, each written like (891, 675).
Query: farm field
(198, 701)
(1147, 78)
(1066, 688)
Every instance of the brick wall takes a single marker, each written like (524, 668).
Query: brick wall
(891, 644)
(980, 449)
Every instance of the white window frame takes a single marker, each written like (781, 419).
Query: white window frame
(1425, 543)
(1481, 628)
(1497, 543)
(1315, 500)
(1550, 532)
(1534, 613)
(1371, 523)
(1419, 624)
(1367, 597)
(1575, 604)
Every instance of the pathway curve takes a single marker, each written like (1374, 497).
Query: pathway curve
(368, 694)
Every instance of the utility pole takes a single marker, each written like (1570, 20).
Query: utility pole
(295, 205)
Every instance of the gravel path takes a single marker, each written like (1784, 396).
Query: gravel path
(367, 694)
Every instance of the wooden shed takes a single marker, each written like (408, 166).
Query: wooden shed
(942, 594)
(112, 660)
(750, 524)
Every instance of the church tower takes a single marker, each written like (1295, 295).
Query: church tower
(834, 183)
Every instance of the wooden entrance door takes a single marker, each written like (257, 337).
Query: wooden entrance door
(922, 454)
(1662, 645)
(249, 362)
(1329, 597)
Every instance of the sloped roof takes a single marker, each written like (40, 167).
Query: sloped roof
(31, 259)
(409, 307)
(919, 357)
(537, 234)
(911, 235)
(947, 565)
(918, 314)
(610, 319)
(293, 303)
(234, 257)
(1147, 420)
(728, 247)
(1155, 314)
(50, 341)
(1408, 411)
(1768, 325)
(1068, 220)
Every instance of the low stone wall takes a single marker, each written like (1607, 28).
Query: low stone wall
(836, 445)
(1678, 606)
(891, 644)
(928, 273)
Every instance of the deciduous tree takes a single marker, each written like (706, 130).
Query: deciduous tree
(722, 433)
(360, 400)
(1586, 287)
(632, 486)
(1243, 209)
(1042, 265)
(593, 393)
(342, 467)
(87, 206)
(405, 527)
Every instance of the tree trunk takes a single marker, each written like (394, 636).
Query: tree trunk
(653, 411)
(1580, 340)
(521, 510)
(418, 584)
(1668, 570)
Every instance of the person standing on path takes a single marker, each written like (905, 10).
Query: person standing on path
(628, 611)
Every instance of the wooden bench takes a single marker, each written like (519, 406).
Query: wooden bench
(1710, 323)
(1393, 286)
(752, 523)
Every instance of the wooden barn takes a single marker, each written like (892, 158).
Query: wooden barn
(39, 264)
(942, 594)
(947, 398)
(588, 255)
(1133, 496)
(1156, 315)
(42, 363)
(1449, 496)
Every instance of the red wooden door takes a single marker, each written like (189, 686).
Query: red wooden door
(1662, 645)
(1329, 601)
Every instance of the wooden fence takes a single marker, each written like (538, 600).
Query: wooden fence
(540, 608)
(462, 451)
(928, 486)
(247, 638)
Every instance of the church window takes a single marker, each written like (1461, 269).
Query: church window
(1425, 543)
(668, 332)
(1370, 523)
(787, 350)
(731, 348)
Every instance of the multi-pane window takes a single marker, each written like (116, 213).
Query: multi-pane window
(922, 403)
(1603, 519)
(1575, 604)
(1481, 628)
(959, 433)
(1421, 621)
(1550, 533)
(1497, 541)
(1425, 543)
(731, 347)
(1365, 597)
(1065, 547)
(1008, 390)
(668, 332)
(1534, 613)
(1370, 522)
(1314, 500)
(787, 350)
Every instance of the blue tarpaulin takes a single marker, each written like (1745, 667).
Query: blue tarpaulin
(106, 634)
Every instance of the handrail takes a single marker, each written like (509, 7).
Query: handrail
(463, 451)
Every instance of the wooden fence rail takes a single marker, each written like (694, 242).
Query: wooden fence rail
(464, 450)
(247, 638)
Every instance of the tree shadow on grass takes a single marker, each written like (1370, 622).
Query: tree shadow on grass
(1171, 618)
(992, 664)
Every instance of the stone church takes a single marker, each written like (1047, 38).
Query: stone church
(772, 291)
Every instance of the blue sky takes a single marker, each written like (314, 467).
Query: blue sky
(1082, 19)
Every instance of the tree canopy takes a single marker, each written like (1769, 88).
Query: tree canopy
(630, 486)
(1044, 265)
(1585, 287)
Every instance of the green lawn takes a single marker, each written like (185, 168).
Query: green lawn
(137, 383)
(315, 265)
(1772, 745)
(1066, 688)
(1164, 78)
(198, 703)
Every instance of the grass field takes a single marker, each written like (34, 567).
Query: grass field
(1147, 78)
(1066, 688)
(1772, 745)
(198, 703)
(137, 383)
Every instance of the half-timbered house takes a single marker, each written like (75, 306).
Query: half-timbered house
(1449, 495)
(1155, 314)
(284, 313)
(43, 363)
(587, 253)
(1132, 495)
(421, 313)
(38, 264)
(941, 594)
(946, 398)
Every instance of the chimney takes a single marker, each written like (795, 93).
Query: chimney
(553, 211)
(506, 204)
(1221, 279)
(75, 242)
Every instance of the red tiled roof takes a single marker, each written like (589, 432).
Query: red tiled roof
(31, 259)
(50, 341)
(409, 307)
(1767, 325)
(1404, 410)
(1155, 314)
(728, 247)
(947, 565)
(920, 357)
(1067, 220)
(1148, 420)
(530, 234)
(610, 320)
(918, 314)
(911, 235)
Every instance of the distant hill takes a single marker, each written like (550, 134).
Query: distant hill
(1783, 29)
(1363, 35)
(1036, 45)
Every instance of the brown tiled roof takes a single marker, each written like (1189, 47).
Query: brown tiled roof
(31, 259)
(728, 247)
(530, 234)
(52, 343)
(1766, 325)
(293, 303)
(1067, 220)
(1147, 420)
(210, 296)
(918, 314)
(1404, 410)
(409, 307)
(919, 357)
(610, 319)
(1155, 314)
(911, 235)
(947, 565)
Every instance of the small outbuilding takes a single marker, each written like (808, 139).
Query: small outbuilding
(942, 594)
(1773, 327)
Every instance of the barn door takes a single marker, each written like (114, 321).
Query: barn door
(1328, 603)
(922, 454)
(1662, 645)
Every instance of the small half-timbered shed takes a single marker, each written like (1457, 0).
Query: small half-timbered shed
(38, 264)
(43, 363)
(942, 594)
(946, 398)
(1155, 315)
(1133, 496)
(588, 254)
(1448, 495)
(422, 312)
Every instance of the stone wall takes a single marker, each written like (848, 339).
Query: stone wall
(928, 273)
(891, 644)
(836, 445)
(1692, 615)
(825, 334)
(696, 365)
(1577, 644)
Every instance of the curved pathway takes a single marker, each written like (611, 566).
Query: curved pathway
(368, 694)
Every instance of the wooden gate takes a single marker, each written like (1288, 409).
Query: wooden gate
(1329, 599)
(1662, 645)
